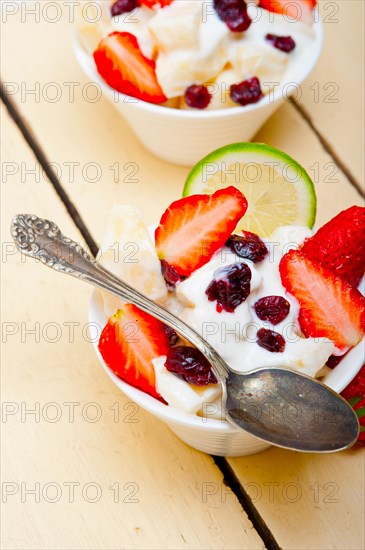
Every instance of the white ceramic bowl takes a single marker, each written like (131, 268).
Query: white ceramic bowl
(212, 436)
(185, 136)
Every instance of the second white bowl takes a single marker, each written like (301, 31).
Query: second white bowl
(185, 136)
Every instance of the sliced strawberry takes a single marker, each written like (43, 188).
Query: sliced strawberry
(338, 245)
(300, 10)
(157, 3)
(122, 65)
(356, 388)
(329, 305)
(129, 342)
(354, 393)
(192, 229)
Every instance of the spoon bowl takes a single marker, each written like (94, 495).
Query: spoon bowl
(250, 399)
(285, 404)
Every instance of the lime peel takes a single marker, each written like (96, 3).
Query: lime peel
(278, 189)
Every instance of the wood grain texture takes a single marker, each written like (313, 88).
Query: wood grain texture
(89, 140)
(333, 95)
(136, 485)
(308, 501)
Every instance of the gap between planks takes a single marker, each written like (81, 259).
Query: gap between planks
(41, 157)
(229, 476)
(328, 147)
(232, 481)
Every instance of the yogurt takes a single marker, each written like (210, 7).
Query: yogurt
(233, 334)
(190, 44)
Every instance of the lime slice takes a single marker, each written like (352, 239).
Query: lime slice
(278, 190)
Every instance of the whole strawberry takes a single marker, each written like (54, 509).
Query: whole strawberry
(338, 245)
(354, 393)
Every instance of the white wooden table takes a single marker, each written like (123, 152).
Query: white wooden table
(86, 469)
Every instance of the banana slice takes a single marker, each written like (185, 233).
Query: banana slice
(176, 26)
(219, 90)
(261, 60)
(129, 253)
(191, 50)
(174, 71)
(189, 398)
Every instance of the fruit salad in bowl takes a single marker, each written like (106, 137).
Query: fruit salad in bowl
(217, 66)
(287, 297)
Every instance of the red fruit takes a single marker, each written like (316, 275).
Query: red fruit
(356, 388)
(272, 308)
(248, 246)
(246, 92)
(300, 10)
(230, 287)
(197, 96)
(157, 3)
(192, 229)
(234, 14)
(129, 342)
(190, 365)
(270, 340)
(283, 43)
(122, 65)
(338, 245)
(123, 6)
(329, 306)
(334, 360)
(354, 393)
(170, 275)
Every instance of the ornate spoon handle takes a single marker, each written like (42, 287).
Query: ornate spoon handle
(42, 239)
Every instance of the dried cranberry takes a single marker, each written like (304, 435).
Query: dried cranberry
(272, 308)
(171, 335)
(197, 96)
(170, 275)
(123, 6)
(284, 43)
(191, 365)
(270, 340)
(334, 360)
(234, 14)
(230, 286)
(246, 92)
(248, 246)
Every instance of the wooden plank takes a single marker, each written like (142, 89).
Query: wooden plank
(333, 94)
(123, 480)
(308, 501)
(101, 136)
(289, 132)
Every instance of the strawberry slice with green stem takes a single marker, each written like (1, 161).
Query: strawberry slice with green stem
(192, 229)
(129, 342)
(337, 245)
(122, 65)
(300, 10)
(329, 306)
(354, 393)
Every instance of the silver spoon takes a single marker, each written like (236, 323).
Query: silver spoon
(277, 405)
